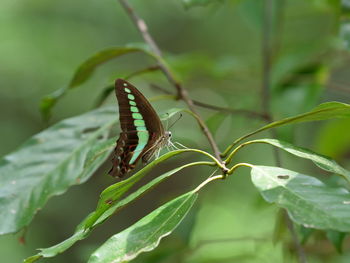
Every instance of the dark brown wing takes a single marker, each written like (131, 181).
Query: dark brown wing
(128, 150)
(123, 153)
(150, 116)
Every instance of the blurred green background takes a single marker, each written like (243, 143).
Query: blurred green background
(216, 50)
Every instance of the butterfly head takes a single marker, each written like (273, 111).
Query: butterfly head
(166, 139)
(167, 135)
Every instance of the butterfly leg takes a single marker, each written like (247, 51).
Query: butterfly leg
(158, 152)
(171, 146)
(181, 145)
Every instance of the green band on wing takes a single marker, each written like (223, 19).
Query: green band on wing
(143, 140)
(141, 128)
(132, 103)
(127, 90)
(139, 123)
(134, 109)
(131, 97)
(137, 116)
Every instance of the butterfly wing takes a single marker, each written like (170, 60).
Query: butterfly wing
(141, 129)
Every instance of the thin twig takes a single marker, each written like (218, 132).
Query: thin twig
(297, 245)
(267, 55)
(247, 113)
(182, 93)
(278, 36)
(142, 27)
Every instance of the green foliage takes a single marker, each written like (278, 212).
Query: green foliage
(85, 70)
(321, 161)
(324, 111)
(46, 165)
(298, 193)
(146, 234)
(113, 193)
(102, 213)
(225, 75)
(308, 201)
(337, 238)
(333, 138)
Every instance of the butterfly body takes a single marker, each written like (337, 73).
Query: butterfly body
(142, 134)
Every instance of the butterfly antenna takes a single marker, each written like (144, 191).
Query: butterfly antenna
(167, 121)
(180, 116)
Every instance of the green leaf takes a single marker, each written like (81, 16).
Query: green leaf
(49, 101)
(145, 234)
(49, 163)
(337, 239)
(32, 259)
(59, 248)
(133, 196)
(324, 111)
(305, 234)
(81, 233)
(333, 138)
(112, 194)
(214, 121)
(309, 202)
(85, 71)
(321, 161)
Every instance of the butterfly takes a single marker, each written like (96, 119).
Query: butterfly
(142, 133)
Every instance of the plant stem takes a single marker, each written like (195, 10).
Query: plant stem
(247, 113)
(219, 164)
(229, 158)
(142, 27)
(298, 246)
(182, 93)
(237, 166)
(210, 179)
